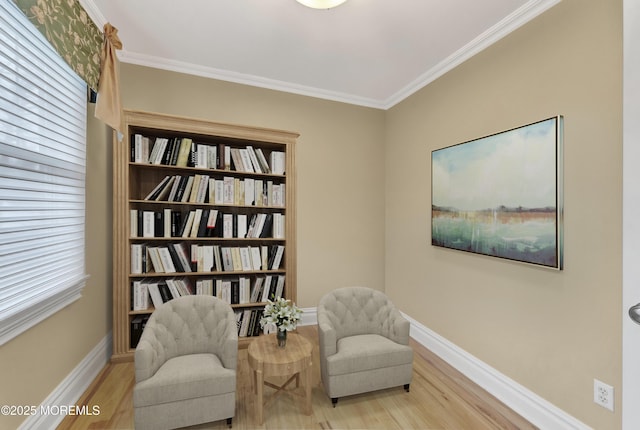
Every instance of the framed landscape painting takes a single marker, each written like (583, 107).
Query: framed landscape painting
(501, 195)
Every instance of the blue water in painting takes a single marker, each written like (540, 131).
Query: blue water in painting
(531, 241)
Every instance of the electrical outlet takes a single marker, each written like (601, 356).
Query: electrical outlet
(603, 394)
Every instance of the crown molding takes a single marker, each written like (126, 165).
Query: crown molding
(245, 79)
(515, 20)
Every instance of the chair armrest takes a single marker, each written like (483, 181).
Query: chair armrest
(398, 328)
(327, 340)
(229, 351)
(147, 358)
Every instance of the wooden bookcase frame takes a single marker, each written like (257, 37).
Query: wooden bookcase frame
(125, 171)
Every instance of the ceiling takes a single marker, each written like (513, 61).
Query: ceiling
(371, 53)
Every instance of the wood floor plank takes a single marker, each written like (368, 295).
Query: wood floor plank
(440, 399)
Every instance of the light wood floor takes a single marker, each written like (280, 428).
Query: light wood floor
(440, 398)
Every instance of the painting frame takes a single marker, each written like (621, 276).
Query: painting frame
(501, 195)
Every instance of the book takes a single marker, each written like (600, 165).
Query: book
(241, 226)
(227, 226)
(227, 260)
(277, 162)
(217, 258)
(164, 191)
(138, 324)
(278, 226)
(174, 188)
(136, 259)
(158, 188)
(228, 190)
(164, 291)
(183, 153)
(166, 260)
(212, 156)
(181, 251)
(246, 317)
(195, 187)
(158, 224)
(236, 259)
(173, 289)
(187, 190)
(277, 257)
(137, 148)
(195, 224)
(157, 153)
(205, 258)
(249, 192)
(254, 160)
(188, 224)
(140, 300)
(279, 286)
(133, 222)
(264, 166)
(266, 289)
(202, 156)
(236, 158)
(182, 184)
(201, 194)
(256, 259)
(245, 258)
(246, 160)
(156, 260)
(167, 221)
(256, 290)
(154, 293)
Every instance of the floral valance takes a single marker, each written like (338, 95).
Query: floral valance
(71, 32)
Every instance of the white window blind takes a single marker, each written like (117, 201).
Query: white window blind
(42, 177)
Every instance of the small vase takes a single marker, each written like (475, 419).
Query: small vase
(282, 338)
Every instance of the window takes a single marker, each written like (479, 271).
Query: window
(42, 177)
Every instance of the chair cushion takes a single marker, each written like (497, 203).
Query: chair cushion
(367, 352)
(185, 377)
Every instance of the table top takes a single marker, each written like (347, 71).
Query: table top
(265, 355)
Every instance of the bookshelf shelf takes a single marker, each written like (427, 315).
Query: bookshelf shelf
(244, 206)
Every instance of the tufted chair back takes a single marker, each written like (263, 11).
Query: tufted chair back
(188, 325)
(359, 310)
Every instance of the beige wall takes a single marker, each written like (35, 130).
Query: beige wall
(553, 332)
(34, 363)
(339, 160)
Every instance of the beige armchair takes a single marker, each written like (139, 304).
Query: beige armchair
(185, 364)
(364, 343)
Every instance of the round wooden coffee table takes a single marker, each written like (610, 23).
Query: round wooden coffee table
(267, 359)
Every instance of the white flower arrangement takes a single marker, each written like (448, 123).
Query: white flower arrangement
(281, 313)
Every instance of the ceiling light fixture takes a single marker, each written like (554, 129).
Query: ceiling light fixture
(321, 4)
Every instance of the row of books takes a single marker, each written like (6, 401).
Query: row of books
(225, 191)
(233, 290)
(184, 152)
(184, 258)
(205, 223)
(138, 324)
(248, 322)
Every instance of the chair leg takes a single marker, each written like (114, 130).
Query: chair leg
(334, 401)
(406, 387)
(229, 422)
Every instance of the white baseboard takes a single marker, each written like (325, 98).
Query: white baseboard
(529, 405)
(71, 388)
(309, 316)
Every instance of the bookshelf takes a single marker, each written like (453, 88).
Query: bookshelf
(212, 210)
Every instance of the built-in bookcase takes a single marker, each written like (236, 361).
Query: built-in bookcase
(200, 207)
